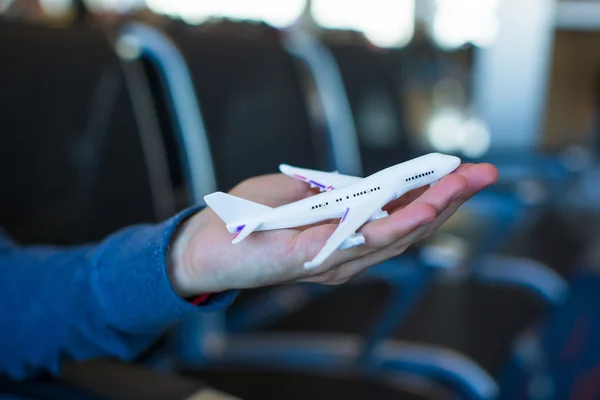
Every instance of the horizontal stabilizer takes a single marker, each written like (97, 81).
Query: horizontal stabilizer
(242, 231)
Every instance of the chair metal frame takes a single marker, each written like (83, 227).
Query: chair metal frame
(332, 96)
(137, 40)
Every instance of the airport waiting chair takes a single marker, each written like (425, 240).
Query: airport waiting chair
(489, 303)
(374, 93)
(255, 117)
(81, 156)
(205, 341)
(530, 186)
(557, 357)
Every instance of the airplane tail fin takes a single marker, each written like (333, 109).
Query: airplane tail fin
(239, 215)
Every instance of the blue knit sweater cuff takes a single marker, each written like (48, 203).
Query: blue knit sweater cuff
(130, 279)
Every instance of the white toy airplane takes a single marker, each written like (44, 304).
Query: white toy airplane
(354, 200)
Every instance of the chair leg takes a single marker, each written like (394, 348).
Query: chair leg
(407, 294)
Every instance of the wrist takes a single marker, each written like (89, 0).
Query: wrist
(177, 261)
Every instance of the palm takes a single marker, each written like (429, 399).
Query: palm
(263, 255)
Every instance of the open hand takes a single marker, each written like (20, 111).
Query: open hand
(203, 260)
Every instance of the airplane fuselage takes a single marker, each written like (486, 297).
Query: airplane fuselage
(394, 181)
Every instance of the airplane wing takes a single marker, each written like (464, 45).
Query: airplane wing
(320, 179)
(354, 217)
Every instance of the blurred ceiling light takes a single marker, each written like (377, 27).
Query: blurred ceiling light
(274, 12)
(56, 8)
(386, 23)
(448, 131)
(444, 251)
(445, 130)
(169, 8)
(118, 6)
(4, 4)
(458, 22)
(477, 138)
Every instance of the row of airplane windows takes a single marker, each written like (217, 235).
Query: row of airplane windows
(419, 176)
(347, 197)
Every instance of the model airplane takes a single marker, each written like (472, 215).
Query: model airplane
(352, 199)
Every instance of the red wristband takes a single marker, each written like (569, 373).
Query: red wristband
(200, 299)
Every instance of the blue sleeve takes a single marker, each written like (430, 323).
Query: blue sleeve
(109, 299)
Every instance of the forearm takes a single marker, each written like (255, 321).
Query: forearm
(110, 299)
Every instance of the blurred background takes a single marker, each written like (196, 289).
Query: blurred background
(116, 112)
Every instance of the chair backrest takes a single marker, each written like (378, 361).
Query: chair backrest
(251, 98)
(371, 79)
(75, 146)
(327, 92)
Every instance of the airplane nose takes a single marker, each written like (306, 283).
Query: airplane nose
(450, 162)
(455, 161)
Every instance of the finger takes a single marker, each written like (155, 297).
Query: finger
(444, 198)
(444, 192)
(406, 199)
(412, 195)
(385, 231)
(437, 192)
(415, 194)
(463, 167)
(480, 176)
(352, 268)
(310, 242)
(476, 177)
(355, 267)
